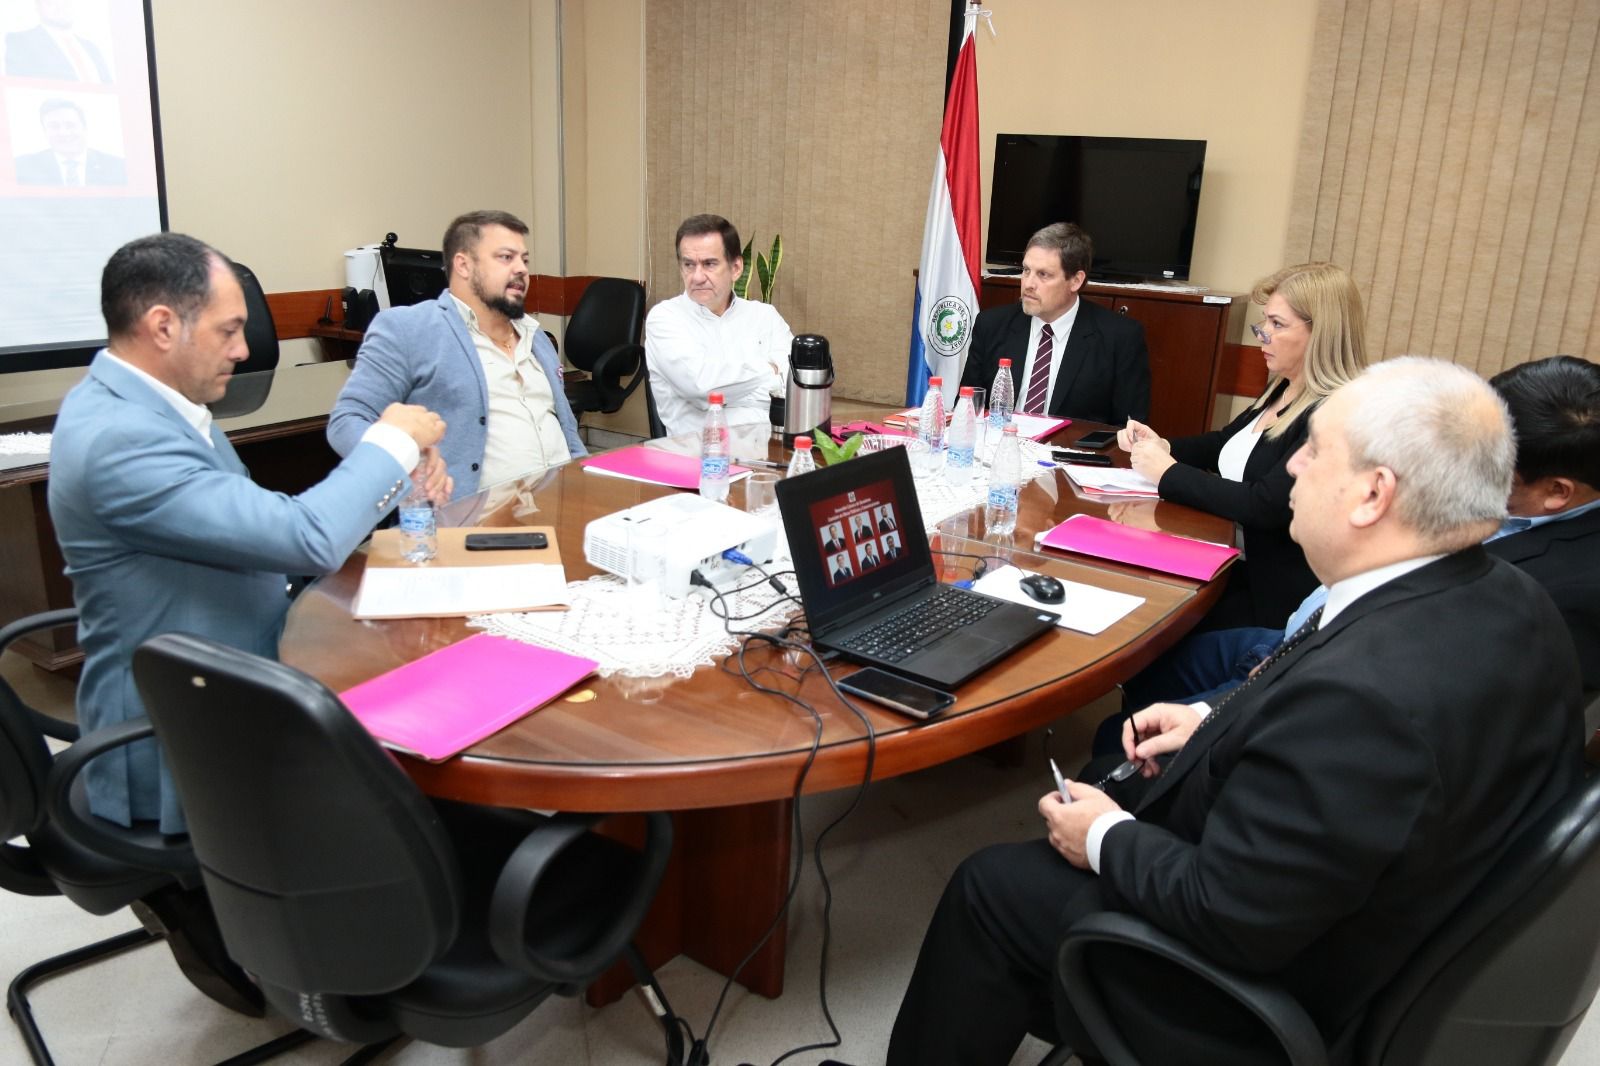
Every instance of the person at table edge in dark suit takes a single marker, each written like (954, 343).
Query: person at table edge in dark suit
(1100, 368)
(1322, 822)
(1312, 335)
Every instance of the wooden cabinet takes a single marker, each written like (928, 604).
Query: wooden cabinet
(1187, 334)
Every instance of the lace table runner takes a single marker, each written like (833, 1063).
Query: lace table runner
(635, 633)
(24, 444)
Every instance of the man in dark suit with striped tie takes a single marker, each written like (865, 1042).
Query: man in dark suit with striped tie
(1070, 358)
(1319, 823)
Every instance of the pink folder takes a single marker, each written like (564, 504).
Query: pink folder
(445, 702)
(639, 462)
(1088, 535)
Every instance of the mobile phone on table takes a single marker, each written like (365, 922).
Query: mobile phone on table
(1100, 438)
(500, 542)
(897, 693)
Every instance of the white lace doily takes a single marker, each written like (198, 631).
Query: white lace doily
(24, 444)
(635, 633)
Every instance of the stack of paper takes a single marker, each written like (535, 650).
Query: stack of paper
(1111, 481)
(458, 582)
(443, 703)
(1033, 427)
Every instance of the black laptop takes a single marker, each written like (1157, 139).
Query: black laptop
(867, 579)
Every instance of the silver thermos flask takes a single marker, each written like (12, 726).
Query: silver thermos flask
(809, 404)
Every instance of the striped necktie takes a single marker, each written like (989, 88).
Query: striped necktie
(1039, 376)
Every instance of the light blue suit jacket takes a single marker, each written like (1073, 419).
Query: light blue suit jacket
(423, 354)
(162, 534)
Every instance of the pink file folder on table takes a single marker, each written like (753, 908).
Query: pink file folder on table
(1117, 543)
(445, 702)
(640, 463)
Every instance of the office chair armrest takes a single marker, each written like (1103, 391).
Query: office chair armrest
(613, 363)
(516, 901)
(1280, 1012)
(44, 723)
(68, 806)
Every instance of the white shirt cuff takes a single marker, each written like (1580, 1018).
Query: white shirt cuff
(1201, 708)
(397, 442)
(1097, 834)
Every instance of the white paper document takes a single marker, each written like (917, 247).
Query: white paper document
(1086, 609)
(1110, 480)
(448, 591)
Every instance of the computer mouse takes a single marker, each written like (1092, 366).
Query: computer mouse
(1044, 588)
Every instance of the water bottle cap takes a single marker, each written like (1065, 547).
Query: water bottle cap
(966, 390)
(936, 381)
(1011, 428)
(715, 397)
(802, 444)
(1005, 363)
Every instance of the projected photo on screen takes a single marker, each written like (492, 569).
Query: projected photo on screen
(80, 167)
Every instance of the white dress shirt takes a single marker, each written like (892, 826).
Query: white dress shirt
(1060, 330)
(523, 434)
(691, 352)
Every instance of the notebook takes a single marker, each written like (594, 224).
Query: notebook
(445, 702)
(640, 462)
(1102, 539)
(868, 583)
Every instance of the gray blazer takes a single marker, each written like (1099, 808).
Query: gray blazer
(422, 354)
(162, 534)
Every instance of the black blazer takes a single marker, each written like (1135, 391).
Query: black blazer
(1564, 557)
(1105, 367)
(1354, 793)
(1267, 588)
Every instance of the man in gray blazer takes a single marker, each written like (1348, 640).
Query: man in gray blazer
(161, 527)
(474, 356)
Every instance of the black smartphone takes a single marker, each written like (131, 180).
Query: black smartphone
(1100, 438)
(1061, 455)
(500, 542)
(897, 693)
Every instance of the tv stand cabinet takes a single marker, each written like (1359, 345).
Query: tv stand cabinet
(1187, 334)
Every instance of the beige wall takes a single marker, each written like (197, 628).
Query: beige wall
(1229, 72)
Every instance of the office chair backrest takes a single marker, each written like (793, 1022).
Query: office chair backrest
(1507, 979)
(327, 869)
(610, 312)
(260, 332)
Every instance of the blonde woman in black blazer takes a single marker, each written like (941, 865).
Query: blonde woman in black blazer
(1311, 337)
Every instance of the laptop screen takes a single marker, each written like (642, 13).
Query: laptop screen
(855, 533)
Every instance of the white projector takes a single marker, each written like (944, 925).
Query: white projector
(665, 540)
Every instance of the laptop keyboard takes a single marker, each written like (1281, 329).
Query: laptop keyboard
(913, 628)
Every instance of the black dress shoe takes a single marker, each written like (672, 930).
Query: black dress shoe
(185, 919)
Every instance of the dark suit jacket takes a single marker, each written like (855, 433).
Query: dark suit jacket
(1565, 558)
(1105, 367)
(100, 168)
(1353, 794)
(34, 53)
(1276, 576)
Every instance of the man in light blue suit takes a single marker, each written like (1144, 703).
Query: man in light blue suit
(474, 356)
(161, 527)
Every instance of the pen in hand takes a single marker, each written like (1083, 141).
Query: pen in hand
(1061, 782)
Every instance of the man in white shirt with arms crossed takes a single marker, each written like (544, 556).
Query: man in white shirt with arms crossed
(707, 339)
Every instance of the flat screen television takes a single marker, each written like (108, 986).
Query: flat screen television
(1136, 197)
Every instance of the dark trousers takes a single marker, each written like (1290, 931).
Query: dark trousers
(984, 976)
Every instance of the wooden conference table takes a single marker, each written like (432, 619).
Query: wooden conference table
(722, 756)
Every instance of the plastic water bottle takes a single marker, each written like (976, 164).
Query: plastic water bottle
(1002, 397)
(930, 424)
(714, 452)
(801, 462)
(1000, 513)
(963, 438)
(419, 526)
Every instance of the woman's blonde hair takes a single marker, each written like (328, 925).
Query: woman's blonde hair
(1326, 298)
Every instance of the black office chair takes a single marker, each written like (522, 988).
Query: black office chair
(658, 428)
(142, 868)
(602, 339)
(252, 379)
(1505, 981)
(364, 911)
